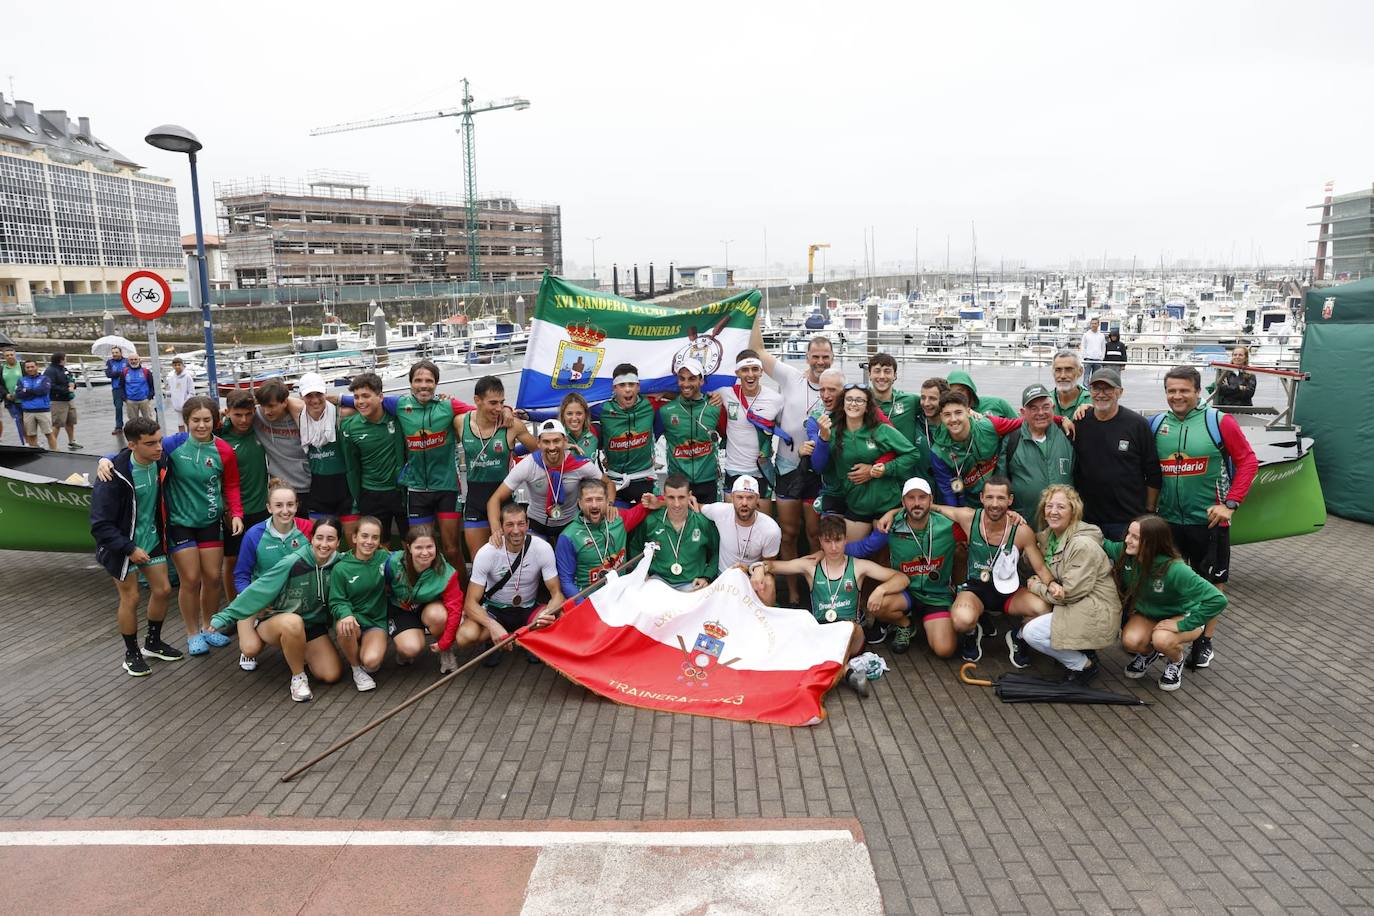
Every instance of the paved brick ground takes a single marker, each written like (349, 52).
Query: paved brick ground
(1248, 791)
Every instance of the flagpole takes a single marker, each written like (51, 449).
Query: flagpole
(412, 700)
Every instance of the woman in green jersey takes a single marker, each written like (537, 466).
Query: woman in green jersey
(866, 458)
(427, 596)
(358, 603)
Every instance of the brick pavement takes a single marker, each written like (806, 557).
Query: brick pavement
(1250, 790)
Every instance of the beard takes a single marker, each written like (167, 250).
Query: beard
(1065, 387)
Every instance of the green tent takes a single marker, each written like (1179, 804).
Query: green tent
(1336, 408)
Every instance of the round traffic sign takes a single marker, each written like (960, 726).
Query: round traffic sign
(145, 294)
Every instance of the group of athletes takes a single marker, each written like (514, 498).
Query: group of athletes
(1068, 526)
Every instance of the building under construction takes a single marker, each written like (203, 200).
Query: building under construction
(335, 229)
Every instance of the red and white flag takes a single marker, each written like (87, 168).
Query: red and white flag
(716, 652)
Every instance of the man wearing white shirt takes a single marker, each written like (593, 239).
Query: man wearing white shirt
(180, 386)
(746, 534)
(751, 413)
(1094, 348)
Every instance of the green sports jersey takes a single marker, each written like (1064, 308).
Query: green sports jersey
(599, 548)
(695, 548)
(981, 554)
(146, 486)
(1194, 469)
(252, 459)
(862, 446)
(1081, 397)
(295, 584)
(485, 460)
(906, 416)
(585, 445)
(326, 460)
(196, 490)
(688, 430)
(427, 430)
(373, 453)
(974, 459)
(427, 588)
(835, 599)
(1173, 590)
(926, 557)
(358, 588)
(271, 548)
(627, 436)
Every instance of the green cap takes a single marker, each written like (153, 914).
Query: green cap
(1032, 392)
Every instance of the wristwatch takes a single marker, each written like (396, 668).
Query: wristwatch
(1232, 504)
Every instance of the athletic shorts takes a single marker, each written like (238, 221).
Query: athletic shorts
(765, 488)
(629, 494)
(398, 621)
(233, 542)
(329, 495)
(312, 630)
(430, 505)
(833, 504)
(475, 504)
(548, 532)
(800, 483)
(919, 610)
(63, 412)
(156, 557)
(512, 618)
(705, 492)
(853, 516)
(387, 506)
(1207, 550)
(987, 593)
(181, 538)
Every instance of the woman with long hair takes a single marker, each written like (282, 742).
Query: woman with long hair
(358, 602)
(1235, 388)
(264, 545)
(583, 436)
(867, 458)
(427, 596)
(288, 606)
(1166, 603)
(1085, 609)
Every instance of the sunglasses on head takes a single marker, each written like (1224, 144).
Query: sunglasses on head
(856, 386)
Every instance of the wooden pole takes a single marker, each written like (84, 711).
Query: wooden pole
(443, 681)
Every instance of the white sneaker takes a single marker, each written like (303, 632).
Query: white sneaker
(447, 662)
(362, 680)
(300, 686)
(251, 664)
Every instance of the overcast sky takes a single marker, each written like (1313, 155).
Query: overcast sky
(1064, 131)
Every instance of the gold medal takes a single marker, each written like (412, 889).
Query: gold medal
(676, 569)
(517, 601)
(831, 616)
(956, 486)
(556, 513)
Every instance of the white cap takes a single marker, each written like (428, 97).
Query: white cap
(692, 365)
(1004, 574)
(916, 483)
(311, 383)
(745, 484)
(550, 426)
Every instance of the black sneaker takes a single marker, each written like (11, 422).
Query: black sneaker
(971, 644)
(1172, 678)
(1086, 676)
(135, 665)
(1200, 656)
(1017, 650)
(1140, 664)
(989, 624)
(160, 649)
(875, 634)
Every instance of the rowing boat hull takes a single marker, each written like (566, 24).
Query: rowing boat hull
(38, 511)
(1286, 498)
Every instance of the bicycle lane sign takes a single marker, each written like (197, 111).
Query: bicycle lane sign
(145, 294)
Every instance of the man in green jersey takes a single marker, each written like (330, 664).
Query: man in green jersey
(995, 542)
(237, 430)
(965, 449)
(692, 428)
(1069, 392)
(487, 438)
(129, 524)
(903, 410)
(593, 544)
(835, 581)
(689, 546)
(627, 437)
(921, 547)
(988, 405)
(374, 453)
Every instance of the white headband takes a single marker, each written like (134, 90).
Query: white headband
(748, 362)
(627, 378)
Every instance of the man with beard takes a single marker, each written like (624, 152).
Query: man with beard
(553, 478)
(921, 546)
(1069, 392)
(746, 535)
(692, 428)
(1116, 470)
(994, 544)
(593, 543)
(800, 391)
(751, 413)
(506, 575)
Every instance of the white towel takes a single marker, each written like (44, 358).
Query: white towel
(318, 433)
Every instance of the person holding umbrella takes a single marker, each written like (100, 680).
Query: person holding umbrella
(1168, 603)
(1085, 608)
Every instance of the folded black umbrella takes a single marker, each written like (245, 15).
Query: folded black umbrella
(1026, 688)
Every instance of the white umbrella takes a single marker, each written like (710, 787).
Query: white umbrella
(104, 345)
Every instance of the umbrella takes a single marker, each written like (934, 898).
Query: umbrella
(1016, 687)
(103, 346)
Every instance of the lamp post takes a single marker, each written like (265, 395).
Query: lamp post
(726, 243)
(176, 139)
(594, 241)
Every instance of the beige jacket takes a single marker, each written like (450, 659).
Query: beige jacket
(1089, 614)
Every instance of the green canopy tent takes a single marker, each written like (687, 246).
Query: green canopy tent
(1336, 407)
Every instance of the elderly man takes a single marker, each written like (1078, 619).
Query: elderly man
(553, 478)
(1038, 454)
(1069, 393)
(1094, 346)
(1116, 470)
(967, 449)
(746, 535)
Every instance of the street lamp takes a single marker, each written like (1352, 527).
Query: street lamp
(176, 139)
(594, 241)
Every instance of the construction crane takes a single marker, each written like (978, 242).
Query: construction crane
(811, 260)
(466, 111)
